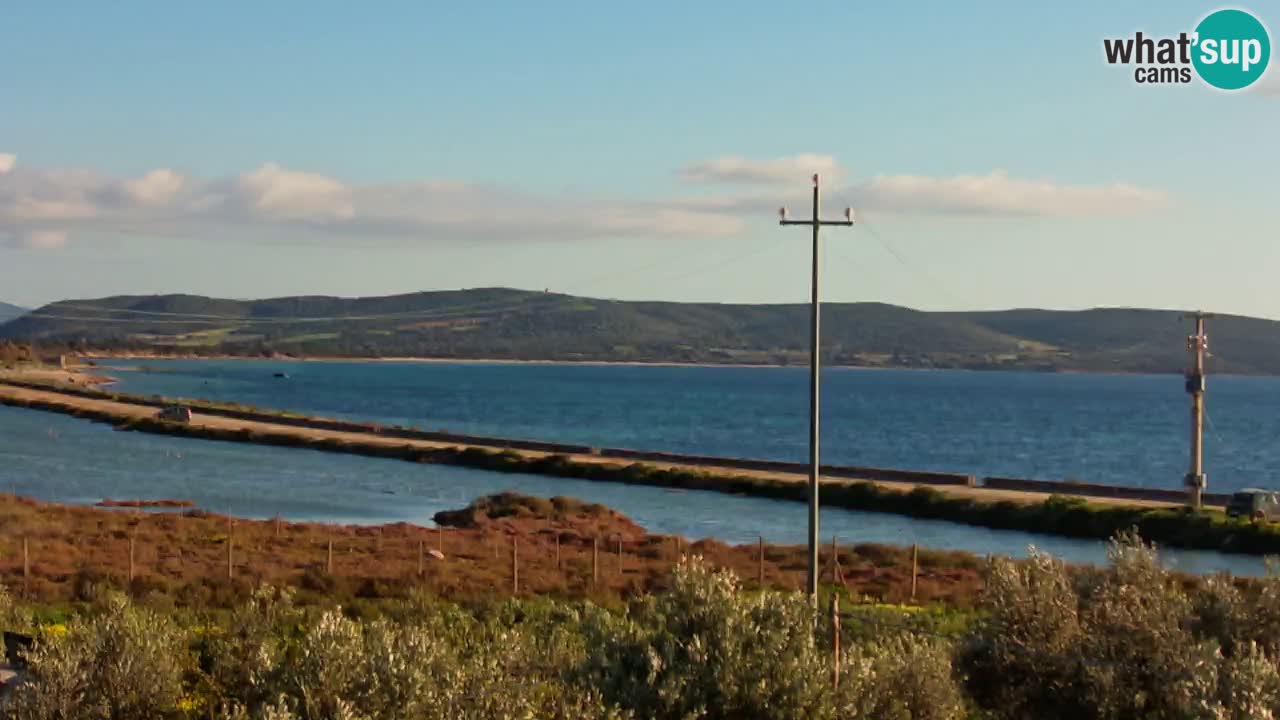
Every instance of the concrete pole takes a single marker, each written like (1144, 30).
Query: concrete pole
(815, 375)
(815, 395)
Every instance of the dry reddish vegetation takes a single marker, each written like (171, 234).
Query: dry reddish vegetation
(182, 557)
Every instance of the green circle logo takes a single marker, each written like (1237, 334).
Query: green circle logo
(1232, 49)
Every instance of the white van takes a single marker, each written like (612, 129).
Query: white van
(175, 413)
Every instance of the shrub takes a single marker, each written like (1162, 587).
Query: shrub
(125, 662)
(1127, 642)
(705, 649)
(900, 678)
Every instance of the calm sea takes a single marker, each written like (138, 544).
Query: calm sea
(1119, 429)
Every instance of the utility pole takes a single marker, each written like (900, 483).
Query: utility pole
(1198, 344)
(815, 362)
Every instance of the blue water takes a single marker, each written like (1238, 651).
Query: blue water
(59, 458)
(1118, 429)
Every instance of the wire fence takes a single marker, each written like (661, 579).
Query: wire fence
(54, 551)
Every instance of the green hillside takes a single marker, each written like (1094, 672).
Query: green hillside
(517, 324)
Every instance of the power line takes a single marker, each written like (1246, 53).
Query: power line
(889, 247)
(721, 263)
(670, 259)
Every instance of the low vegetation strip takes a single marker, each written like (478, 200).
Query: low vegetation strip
(56, 554)
(1057, 515)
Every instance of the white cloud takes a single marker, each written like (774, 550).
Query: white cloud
(277, 193)
(294, 205)
(44, 239)
(998, 194)
(157, 187)
(735, 169)
(7, 162)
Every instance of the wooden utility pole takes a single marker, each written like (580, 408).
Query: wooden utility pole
(815, 372)
(1198, 345)
(328, 562)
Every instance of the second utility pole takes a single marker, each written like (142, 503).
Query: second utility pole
(815, 369)
(1198, 344)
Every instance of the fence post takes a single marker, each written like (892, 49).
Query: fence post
(835, 640)
(515, 564)
(595, 560)
(420, 544)
(328, 563)
(130, 558)
(915, 568)
(231, 549)
(835, 559)
(619, 555)
(26, 563)
(760, 568)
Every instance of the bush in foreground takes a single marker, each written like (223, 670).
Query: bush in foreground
(1127, 642)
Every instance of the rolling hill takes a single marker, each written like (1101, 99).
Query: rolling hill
(9, 312)
(517, 324)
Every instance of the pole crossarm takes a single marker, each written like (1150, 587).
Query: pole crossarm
(823, 223)
(815, 374)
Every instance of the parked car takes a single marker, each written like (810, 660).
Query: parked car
(1255, 504)
(175, 413)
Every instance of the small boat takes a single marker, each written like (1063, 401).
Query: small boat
(282, 375)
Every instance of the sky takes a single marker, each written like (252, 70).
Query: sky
(630, 150)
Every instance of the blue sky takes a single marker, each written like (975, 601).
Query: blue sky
(633, 151)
